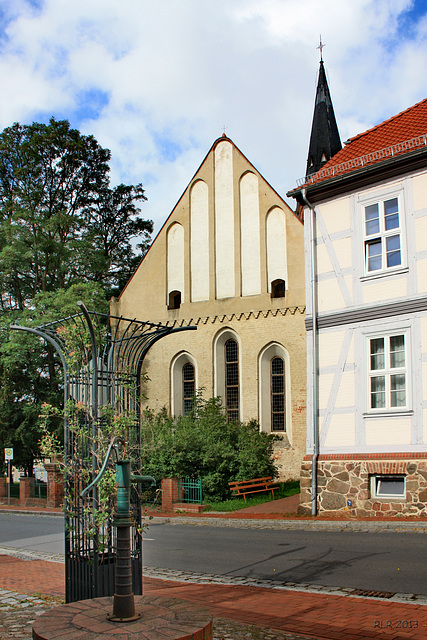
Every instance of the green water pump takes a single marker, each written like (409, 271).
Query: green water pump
(123, 599)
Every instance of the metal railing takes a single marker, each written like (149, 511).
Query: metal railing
(14, 489)
(40, 490)
(190, 490)
(361, 161)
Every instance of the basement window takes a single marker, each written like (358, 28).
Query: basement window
(388, 486)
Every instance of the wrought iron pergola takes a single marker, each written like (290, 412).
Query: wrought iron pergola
(102, 358)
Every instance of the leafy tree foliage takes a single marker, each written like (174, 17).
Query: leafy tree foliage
(204, 445)
(65, 235)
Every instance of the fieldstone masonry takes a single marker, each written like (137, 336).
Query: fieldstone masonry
(343, 480)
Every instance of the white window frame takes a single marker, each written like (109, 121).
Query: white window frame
(382, 234)
(388, 371)
(378, 479)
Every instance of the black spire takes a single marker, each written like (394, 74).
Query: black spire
(325, 139)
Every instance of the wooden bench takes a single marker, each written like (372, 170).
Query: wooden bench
(245, 487)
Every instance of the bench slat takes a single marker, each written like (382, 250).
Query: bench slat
(256, 485)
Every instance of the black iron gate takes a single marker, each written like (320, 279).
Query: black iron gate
(102, 358)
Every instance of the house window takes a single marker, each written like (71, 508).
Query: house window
(388, 486)
(232, 379)
(278, 420)
(188, 387)
(278, 289)
(383, 235)
(388, 372)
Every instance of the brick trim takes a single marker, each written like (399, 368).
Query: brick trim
(228, 317)
(369, 456)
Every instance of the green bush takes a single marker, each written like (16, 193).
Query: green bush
(204, 445)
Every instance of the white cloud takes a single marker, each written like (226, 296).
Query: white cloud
(165, 77)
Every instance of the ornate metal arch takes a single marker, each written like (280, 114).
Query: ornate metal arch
(102, 358)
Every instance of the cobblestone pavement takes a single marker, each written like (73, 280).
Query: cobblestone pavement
(18, 612)
(373, 526)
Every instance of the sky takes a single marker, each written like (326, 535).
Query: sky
(158, 81)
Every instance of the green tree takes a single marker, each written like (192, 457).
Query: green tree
(65, 235)
(203, 444)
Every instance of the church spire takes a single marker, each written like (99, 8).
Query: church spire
(325, 139)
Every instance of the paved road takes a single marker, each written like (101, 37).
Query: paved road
(380, 561)
(376, 561)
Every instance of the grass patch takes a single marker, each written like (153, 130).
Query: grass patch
(285, 490)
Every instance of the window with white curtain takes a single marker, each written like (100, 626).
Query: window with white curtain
(388, 372)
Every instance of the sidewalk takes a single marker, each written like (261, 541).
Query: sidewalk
(303, 613)
(275, 612)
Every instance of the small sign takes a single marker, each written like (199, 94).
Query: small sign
(349, 503)
(8, 453)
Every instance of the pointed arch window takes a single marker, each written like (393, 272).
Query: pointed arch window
(275, 391)
(183, 383)
(232, 379)
(277, 387)
(188, 387)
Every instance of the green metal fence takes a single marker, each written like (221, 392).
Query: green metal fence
(40, 490)
(190, 490)
(14, 490)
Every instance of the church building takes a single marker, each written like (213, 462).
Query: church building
(228, 260)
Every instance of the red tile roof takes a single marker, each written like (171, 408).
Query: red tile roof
(402, 133)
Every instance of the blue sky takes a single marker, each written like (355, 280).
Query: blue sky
(156, 81)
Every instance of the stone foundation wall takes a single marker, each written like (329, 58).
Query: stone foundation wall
(344, 486)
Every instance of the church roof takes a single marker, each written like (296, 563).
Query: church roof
(325, 139)
(403, 133)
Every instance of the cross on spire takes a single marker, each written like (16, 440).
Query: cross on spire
(321, 47)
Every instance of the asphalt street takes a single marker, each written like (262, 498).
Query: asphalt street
(380, 561)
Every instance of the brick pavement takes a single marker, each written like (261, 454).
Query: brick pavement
(304, 613)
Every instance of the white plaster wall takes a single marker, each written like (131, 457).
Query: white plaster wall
(325, 387)
(330, 297)
(419, 186)
(388, 431)
(224, 221)
(384, 289)
(336, 215)
(175, 244)
(341, 432)
(421, 232)
(342, 250)
(424, 374)
(276, 247)
(425, 425)
(346, 391)
(423, 327)
(250, 235)
(422, 276)
(199, 241)
(330, 345)
(323, 261)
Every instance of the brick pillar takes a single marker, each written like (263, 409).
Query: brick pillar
(55, 485)
(3, 488)
(26, 490)
(170, 493)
